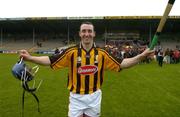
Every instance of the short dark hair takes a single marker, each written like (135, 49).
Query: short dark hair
(86, 22)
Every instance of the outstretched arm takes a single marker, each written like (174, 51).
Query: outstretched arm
(41, 60)
(129, 62)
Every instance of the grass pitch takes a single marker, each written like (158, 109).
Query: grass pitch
(145, 90)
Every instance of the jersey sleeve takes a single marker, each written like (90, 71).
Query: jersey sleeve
(111, 62)
(59, 61)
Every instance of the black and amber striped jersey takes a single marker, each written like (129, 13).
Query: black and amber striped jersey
(86, 69)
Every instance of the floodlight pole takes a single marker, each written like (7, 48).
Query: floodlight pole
(1, 36)
(150, 31)
(68, 33)
(33, 36)
(105, 36)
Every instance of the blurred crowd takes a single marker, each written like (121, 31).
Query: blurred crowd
(130, 48)
(126, 48)
(169, 56)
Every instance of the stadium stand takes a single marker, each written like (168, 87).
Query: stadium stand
(49, 33)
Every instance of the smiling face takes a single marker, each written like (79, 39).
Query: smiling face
(87, 33)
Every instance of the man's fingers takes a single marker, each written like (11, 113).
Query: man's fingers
(21, 51)
(23, 54)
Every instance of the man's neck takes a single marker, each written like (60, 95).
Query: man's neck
(87, 47)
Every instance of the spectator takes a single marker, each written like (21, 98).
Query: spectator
(160, 58)
(56, 51)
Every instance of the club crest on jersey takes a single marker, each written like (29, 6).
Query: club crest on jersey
(87, 69)
(78, 59)
(96, 59)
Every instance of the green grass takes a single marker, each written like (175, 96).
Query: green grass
(145, 90)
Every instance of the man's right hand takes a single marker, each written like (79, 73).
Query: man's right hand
(42, 60)
(24, 54)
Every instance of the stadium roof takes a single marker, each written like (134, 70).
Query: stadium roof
(87, 18)
(60, 24)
